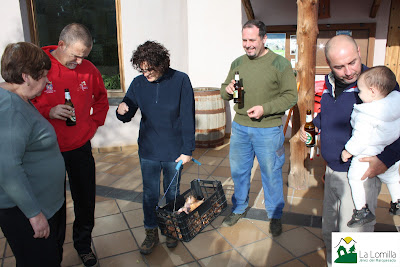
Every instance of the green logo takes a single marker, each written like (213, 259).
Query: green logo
(346, 250)
(309, 138)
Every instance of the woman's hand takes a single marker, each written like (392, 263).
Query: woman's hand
(122, 108)
(184, 158)
(40, 226)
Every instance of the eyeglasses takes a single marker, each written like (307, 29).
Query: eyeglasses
(149, 70)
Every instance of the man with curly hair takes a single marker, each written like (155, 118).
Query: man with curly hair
(167, 128)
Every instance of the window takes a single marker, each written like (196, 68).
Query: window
(48, 18)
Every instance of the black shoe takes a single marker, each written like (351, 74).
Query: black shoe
(232, 219)
(150, 241)
(395, 208)
(171, 243)
(275, 227)
(361, 217)
(88, 259)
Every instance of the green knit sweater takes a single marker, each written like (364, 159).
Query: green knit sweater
(267, 81)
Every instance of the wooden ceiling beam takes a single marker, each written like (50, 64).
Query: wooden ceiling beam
(374, 8)
(248, 9)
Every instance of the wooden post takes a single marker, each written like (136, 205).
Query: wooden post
(307, 31)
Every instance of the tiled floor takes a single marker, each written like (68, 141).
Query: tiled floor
(119, 219)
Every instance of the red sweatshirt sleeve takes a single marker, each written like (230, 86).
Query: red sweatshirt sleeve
(100, 101)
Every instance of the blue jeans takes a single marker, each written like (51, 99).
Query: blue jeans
(267, 145)
(151, 173)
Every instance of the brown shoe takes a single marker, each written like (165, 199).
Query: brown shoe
(150, 241)
(171, 243)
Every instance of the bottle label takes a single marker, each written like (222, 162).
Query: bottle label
(309, 118)
(309, 139)
(236, 94)
(73, 118)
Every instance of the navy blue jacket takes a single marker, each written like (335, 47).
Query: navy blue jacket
(334, 123)
(167, 127)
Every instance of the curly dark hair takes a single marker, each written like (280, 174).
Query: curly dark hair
(25, 58)
(155, 54)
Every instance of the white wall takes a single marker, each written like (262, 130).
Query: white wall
(142, 20)
(10, 19)
(203, 37)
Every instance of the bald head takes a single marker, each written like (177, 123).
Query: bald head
(343, 57)
(339, 43)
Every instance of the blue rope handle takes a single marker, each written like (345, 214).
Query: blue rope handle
(177, 168)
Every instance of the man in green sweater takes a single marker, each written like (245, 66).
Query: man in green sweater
(269, 89)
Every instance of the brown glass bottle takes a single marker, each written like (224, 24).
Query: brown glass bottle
(310, 129)
(238, 93)
(72, 120)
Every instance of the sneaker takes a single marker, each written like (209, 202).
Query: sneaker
(171, 243)
(232, 219)
(275, 227)
(361, 217)
(395, 208)
(88, 259)
(150, 241)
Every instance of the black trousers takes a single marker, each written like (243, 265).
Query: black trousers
(29, 251)
(82, 182)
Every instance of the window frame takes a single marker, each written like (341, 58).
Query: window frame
(34, 33)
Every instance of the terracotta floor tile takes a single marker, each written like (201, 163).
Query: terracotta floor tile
(384, 200)
(264, 226)
(134, 218)
(105, 208)
(293, 263)
(70, 215)
(163, 256)
(2, 246)
(9, 262)
(383, 216)
(124, 260)
(68, 233)
(109, 224)
(242, 233)
(204, 169)
(68, 199)
(225, 163)
(115, 243)
(120, 169)
(70, 256)
(191, 264)
(256, 186)
(315, 259)
(198, 152)
(306, 206)
(222, 171)
(308, 243)
(265, 253)
(311, 193)
(217, 153)
(316, 231)
(126, 205)
(103, 166)
(384, 189)
(106, 179)
(128, 182)
(229, 258)
(207, 244)
(110, 158)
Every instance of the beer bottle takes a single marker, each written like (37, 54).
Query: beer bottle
(72, 120)
(238, 93)
(310, 129)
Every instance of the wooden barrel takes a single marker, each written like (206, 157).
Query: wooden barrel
(210, 117)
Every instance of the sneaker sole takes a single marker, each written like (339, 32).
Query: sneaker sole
(359, 223)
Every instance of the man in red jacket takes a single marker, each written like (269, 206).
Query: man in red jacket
(70, 70)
